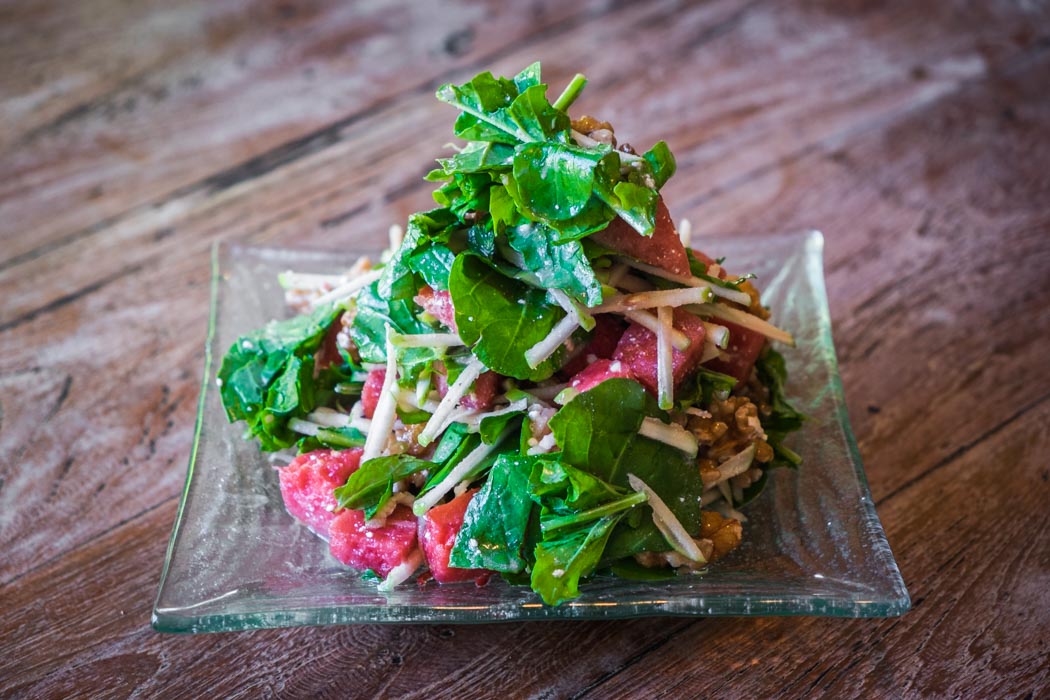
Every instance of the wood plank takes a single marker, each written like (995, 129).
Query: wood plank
(974, 556)
(774, 125)
(107, 644)
(160, 101)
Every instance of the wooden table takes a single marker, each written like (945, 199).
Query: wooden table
(134, 135)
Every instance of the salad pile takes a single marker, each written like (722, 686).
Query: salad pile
(540, 379)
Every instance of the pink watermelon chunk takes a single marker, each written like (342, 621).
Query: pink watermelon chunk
(600, 346)
(307, 484)
(441, 524)
(439, 305)
(371, 391)
(598, 372)
(379, 549)
(663, 249)
(744, 348)
(480, 397)
(637, 350)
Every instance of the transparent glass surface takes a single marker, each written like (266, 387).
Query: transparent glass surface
(813, 545)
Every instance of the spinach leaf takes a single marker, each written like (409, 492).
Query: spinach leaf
(433, 263)
(555, 181)
(561, 562)
(495, 524)
(332, 438)
(703, 387)
(396, 282)
(556, 266)
(598, 432)
(493, 426)
(501, 318)
(374, 312)
(661, 162)
(267, 376)
(772, 372)
(370, 487)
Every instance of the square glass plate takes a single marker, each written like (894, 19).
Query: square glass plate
(813, 544)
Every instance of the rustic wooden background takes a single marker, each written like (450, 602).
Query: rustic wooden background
(134, 135)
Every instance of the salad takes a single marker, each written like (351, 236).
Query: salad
(539, 379)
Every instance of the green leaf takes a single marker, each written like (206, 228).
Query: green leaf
(703, 387)
(492, 427)
(497, 518)
(374, 312)
(501, 318)
(433, 263)
(479, 157)
(267, 376)
(785, 418)
(371, 485)
(598, 432)
(555, 181)
(562, 562)
(661, 162)
(332, 438)
(633, 203)
(556, 266)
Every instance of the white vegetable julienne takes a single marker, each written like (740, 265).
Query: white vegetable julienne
(710, 497)
(743, 318)
(475, 420)
(679, 340)
(402, 572)
(711, 351)
(664, 359)
(728, 511)
(572, 308)
(685, 232)
(439, 420)
(427, 340)
(737, 464)
(329, 417)
(385, 413)
(303, 427)
(719, 335)
(673, 530)
(653, 299)
(345, 291)
(670, 434)
(690, 281)
(561, 332)
(429, 499)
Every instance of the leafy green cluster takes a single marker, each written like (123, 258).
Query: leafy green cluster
(267, 377)
(552, 519)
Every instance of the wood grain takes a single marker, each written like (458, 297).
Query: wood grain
(915, 135)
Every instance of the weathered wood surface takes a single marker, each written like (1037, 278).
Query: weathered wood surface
(916, 136)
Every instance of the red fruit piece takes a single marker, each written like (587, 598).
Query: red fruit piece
(600, 346)
(379, 549)
(637, 350)
(372, 390)
(307, 484)
(439, 305)
(663, 249)
(441, 524)
(744, 348)
(482, 394)
(598, 372)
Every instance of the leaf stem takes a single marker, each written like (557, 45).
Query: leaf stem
(601, 511)
(571, 92)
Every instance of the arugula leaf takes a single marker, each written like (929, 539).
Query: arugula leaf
(555, 265)
(555, 181)
(433, 263)
(495, 524)
(703, 387)
(267, 376)
(370, 487)
(598, 432)
(501, 318)
(493, 426)
(332, 438)
(785, 418)
(374, 312)
(561, 562)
